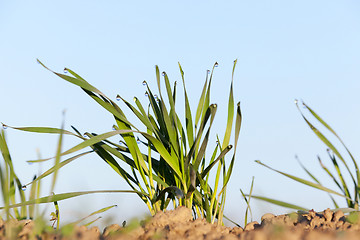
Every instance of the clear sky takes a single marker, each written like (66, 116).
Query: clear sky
(285, 49)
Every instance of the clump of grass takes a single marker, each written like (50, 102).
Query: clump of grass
(181, 173)
(18, 207)
(349, 191)
(11, 187)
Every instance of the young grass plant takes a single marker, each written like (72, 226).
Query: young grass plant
(12, 190)
(349, 191)
(181, 173)
(11, 186)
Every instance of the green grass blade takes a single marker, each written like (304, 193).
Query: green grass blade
(74, 74)
(171, 119)
(207, 94)
(329, 144)
(188, 117)
(4, 173)
(210, 113)
(110, 106)
(94, 140)
(91, 222)
(222, 154)
(237, 132)
(344, 187)
(100, 150)
(32, 196)
(61, 164)
(140, 115)
(248, 208)
(81, 83)
(57, 159)
(63, 196)
(317, 181)
(201, 153)
(48, 130)
(306, 182)
(230, 112)
(171, 160)
(94, 213)
(280, 203)
(331, 130)
(200, 106)
(307, 171)
(105, 102)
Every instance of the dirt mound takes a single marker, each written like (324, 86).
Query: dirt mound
(178, 224)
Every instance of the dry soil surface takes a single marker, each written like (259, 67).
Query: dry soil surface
(179, 224)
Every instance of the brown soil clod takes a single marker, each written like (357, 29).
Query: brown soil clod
(179, 224)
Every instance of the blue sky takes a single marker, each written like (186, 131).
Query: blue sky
(286, 50)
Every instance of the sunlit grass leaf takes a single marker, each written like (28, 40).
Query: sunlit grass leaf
(334, 153)
(304, 181)
(92, 214)
(63, 196)
(280, 203)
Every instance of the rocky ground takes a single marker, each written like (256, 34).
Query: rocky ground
(178, 224)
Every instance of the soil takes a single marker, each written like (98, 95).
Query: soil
(179, 224)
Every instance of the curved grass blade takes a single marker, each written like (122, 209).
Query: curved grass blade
(57, 158)
(329, 144)
(111, 107)
(63, 196)
(280, 203)
(201, 153)
(81, 83)
(200, 106)
(306, 182)
(188, 117)
(94, 140)
(330, 174)
(89, 142)
(49, 130)
(230, 111)
(105, 102)
(337, 136)
(237, 132)
(171, 160)
(140, 115)
(306, 170)
(344, 187)
(207, 94)
(61, 164)
(222, 154)
(317, 181)
(331, 130)
(248, 208)
(211, 111)
(92, 214)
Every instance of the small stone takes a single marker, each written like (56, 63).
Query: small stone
(251, 226)
(337, 215)
(328, 215)
(267, 217)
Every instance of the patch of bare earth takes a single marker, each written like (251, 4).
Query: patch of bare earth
(179, 224)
